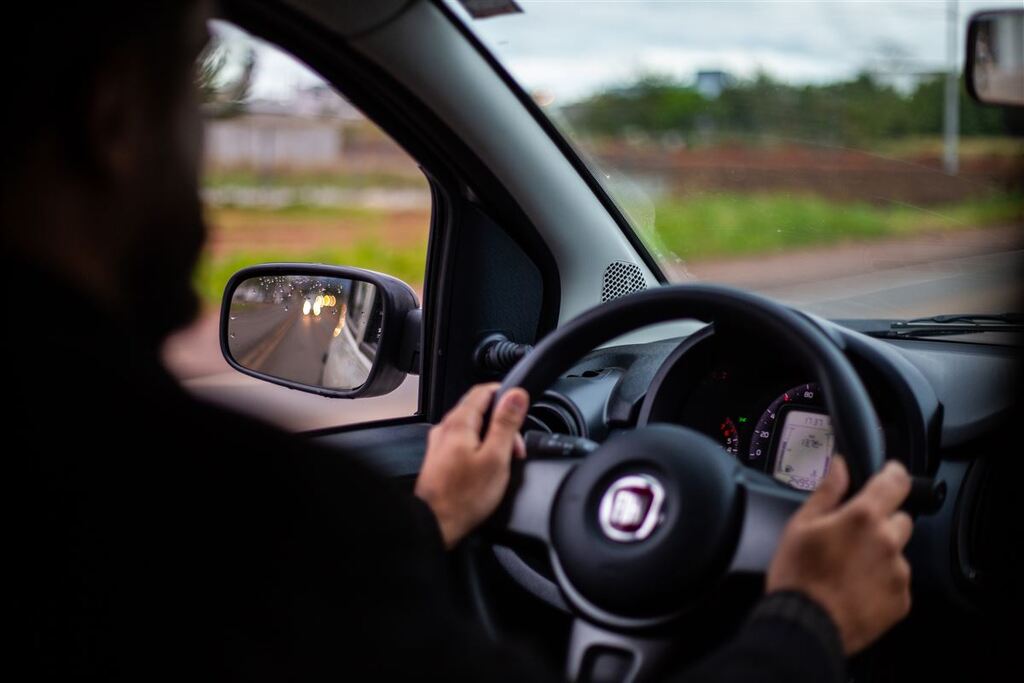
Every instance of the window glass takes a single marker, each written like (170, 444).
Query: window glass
(823, 153)
(292, 171)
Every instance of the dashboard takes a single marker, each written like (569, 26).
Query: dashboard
(944, 409)
(763, 408)
(786, 433)
(947, 410)
(765, 411)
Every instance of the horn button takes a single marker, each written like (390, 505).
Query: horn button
(646, 522)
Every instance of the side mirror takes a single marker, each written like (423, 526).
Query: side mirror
(330, 330)
(995, 57)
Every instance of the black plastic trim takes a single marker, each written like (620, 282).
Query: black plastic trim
(395, 451)
(362, 426)
(653, 398)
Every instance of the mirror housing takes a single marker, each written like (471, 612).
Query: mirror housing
(335, 331)
(994, 68)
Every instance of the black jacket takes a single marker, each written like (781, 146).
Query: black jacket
(158, 537)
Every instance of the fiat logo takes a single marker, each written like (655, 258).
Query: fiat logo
(631, 508)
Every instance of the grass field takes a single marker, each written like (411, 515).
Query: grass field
(407, 263)
(707, 226)
(721, 225)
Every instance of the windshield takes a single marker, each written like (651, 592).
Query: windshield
(824, 154)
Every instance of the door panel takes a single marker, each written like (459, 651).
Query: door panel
(394, 451)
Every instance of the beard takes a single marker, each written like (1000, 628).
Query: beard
(167, 228)
(159, 295)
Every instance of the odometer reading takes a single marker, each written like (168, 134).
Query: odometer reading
(796, 448)
(805, 449)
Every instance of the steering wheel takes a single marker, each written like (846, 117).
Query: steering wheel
(655, 516)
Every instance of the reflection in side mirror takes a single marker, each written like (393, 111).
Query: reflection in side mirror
(995, 57)
(317, 331)
(333, 331)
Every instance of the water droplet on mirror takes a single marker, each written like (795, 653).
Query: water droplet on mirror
(232, 335)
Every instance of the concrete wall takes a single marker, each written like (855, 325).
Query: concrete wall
(272, 142)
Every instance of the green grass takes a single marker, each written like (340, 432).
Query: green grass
(721, 225)
(406, 264)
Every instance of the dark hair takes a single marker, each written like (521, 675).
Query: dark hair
(53, 52)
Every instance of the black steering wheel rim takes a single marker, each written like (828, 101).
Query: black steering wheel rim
(553, 500)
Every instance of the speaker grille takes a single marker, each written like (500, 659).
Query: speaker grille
(621, 278)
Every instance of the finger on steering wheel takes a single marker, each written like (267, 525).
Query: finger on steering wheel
(469, 412)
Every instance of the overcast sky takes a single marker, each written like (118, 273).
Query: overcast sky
(568, 48)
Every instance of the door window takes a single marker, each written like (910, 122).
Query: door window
(294, 172)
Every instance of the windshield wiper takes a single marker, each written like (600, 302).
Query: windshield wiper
(939, 325)
(970, 318)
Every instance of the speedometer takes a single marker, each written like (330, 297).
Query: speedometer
(793, 439)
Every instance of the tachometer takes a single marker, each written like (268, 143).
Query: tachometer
(730, 436)
(793, 440)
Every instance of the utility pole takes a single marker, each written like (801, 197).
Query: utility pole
(951, 111)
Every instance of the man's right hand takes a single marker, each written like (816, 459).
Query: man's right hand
(464, 477)
(849, 557)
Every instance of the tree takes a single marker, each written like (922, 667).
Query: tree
(221, 93)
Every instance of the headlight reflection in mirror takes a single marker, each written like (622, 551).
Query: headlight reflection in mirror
(328, 340)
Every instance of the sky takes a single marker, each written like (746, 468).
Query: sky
(566, 49)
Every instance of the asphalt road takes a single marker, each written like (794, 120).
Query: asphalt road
(956, 272)
(282, 341)
(977, 271)
(984, 283)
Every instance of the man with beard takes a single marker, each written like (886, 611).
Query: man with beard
(159, 537)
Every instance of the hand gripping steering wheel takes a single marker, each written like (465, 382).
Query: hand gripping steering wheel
(654, 517)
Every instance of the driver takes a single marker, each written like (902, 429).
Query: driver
(158, 537)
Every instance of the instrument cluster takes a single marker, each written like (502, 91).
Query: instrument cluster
(766, 412)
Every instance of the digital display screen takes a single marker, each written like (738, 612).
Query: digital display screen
(805, 449)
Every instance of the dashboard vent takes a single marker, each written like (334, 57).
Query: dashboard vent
(552, 418)
(985, 561)
(621, 278)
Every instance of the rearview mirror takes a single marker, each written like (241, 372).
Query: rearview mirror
(995, 57)
(335, 331)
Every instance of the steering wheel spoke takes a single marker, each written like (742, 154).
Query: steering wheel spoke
(529, 510)
(597, 655)
(767, 507)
